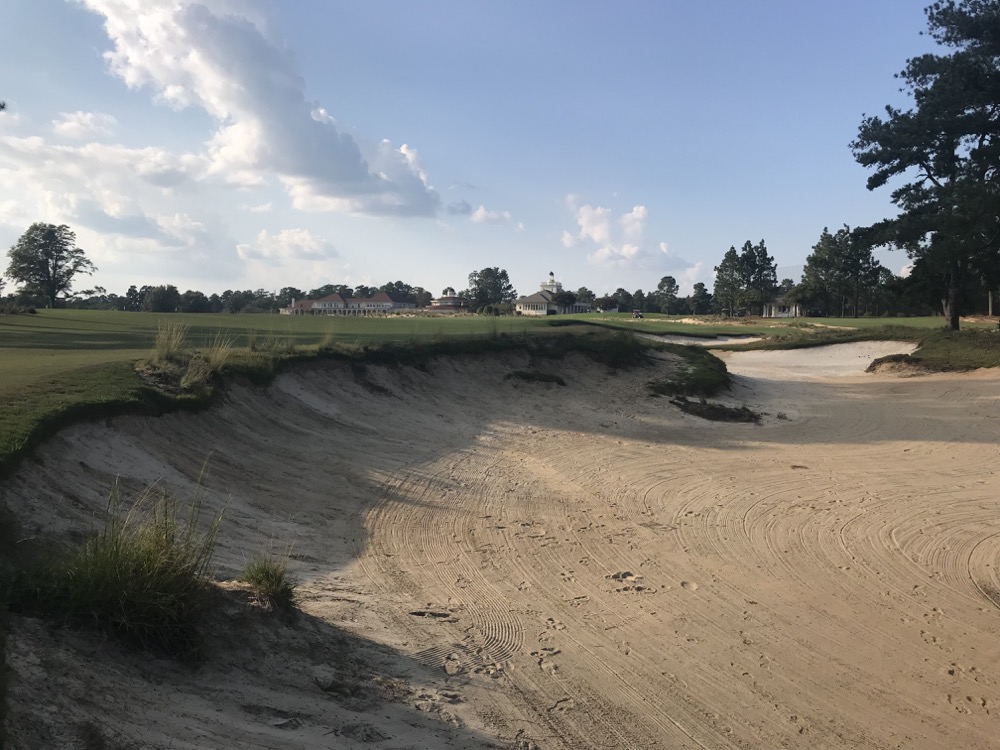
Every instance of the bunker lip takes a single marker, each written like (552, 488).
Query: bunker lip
(487, 560)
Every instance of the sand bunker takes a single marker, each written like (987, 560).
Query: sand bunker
(496, 563)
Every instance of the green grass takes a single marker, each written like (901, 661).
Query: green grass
(710, 326)
(270, 582)
(701, 374)
(63, 365)
(141, 577)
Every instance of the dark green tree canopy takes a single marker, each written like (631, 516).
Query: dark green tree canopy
(45, 260)
(841, 276)
(946, 149)
(729, 283)
(490, 286)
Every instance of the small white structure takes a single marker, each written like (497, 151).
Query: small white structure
(542, 302)
(782, 308)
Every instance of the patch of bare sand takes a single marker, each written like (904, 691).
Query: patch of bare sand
(538, 566)
(832, 361)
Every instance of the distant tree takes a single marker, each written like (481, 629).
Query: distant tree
(700, 300)
(133, 299)
(364, 292)
(840, 274)
(729, 287)
(45, 260)
(490, 286)
(585, 295)
(400, 289)
(638, 300)
(422, 297)
(759, 276)
(607, 302)
(327, 289)
(287, 294)
(93, 299)
(194, 302)
(624, 299)
(666, 294)
(236, 301)
(161, 299)
(565, 300)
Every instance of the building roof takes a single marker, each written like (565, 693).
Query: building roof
(542, 297)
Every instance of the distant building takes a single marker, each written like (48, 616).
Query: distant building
(543, 302)
(449, 301)
(382, 303)
(782, 308)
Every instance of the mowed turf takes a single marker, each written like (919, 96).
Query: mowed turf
(61, 363)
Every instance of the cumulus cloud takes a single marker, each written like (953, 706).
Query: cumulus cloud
(286, 245)
(597, 230)
(81, 125)
(219, 56)
(620, 242)
(460, 208)
(483, 215)
(118, 180)
(121, 202)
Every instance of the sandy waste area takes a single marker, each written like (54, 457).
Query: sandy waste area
(494, 563)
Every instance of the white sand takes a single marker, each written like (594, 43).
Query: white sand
(523, 565)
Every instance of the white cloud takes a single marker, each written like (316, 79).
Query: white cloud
(261, 208)
(596, 230)
(634, 223)
(482, 215)
(81, 125)
(620, 242)
(218, 56)
(286, 245)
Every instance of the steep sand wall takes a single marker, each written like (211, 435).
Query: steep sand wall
(561, 567)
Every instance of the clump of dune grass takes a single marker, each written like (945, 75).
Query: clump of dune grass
(142, 577)
(168, 346)
(270, 343)
(219, 350)
(270, 582)
(197, 373)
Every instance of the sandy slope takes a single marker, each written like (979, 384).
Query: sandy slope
(499, 562)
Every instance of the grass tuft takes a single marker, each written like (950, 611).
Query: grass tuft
(272, 586)
(169, 343)
(219, 350)
(141, 577)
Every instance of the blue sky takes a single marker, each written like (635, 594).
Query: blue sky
(233, 144)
